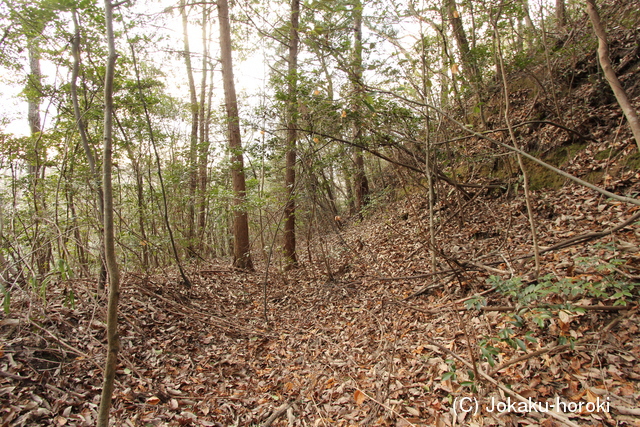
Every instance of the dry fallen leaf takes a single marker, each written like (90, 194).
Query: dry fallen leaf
(153, 400)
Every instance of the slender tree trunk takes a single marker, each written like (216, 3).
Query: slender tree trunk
(468, 60)
(40, 246)
(348, 184)
(527, 15)
(291, 258)
(561, 14)
(242, 249)
(204, 160)
(193, 149)
(603, 52)
(203, 146)
(35, 85)
(113, 340)
(361, 184)
(141, 217)
(8, 272)
(428, 156)
(461, 40)
(96, 185)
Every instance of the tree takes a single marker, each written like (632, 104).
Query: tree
(603, 53)
(204, 121)
(113, 340)
(561, 14)
(241, 248)
(292, 124)
(194, 122)
(75, 50)
(360, 181)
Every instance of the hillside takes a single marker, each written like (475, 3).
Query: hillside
(365, 331)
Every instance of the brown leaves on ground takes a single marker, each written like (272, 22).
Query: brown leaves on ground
(348, 351)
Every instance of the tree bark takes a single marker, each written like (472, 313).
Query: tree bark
(292, 123)
(603, 52)
(113, 340)
(41, 250)
(360, 181)
(527, 15)
(84, 138)
(461, 40)
(561, 14)
(241, 247)
(193, 148)
(203, 146)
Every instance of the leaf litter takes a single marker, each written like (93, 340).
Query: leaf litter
(358, 345)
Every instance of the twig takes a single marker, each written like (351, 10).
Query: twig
(441, 308)
(393, 411)
(13, 376)
(65, 345)
(277, 413)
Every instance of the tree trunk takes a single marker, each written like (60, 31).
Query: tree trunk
(203, 146)
(461, 40)
(361, 184)
(135, 163)
(241, 247)
(40, 247)
(603, 52)
(292, 123)
(527, 15)
(193, 148)
(466, 57)
(113, 340)
(96, 185)
(561, 14)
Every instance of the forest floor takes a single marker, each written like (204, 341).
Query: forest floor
(362, 335)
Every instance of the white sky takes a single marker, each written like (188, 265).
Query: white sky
(250, 74)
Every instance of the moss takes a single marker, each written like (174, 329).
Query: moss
(461, 171)
(633, 161)
(603, 155)
(541, 177)
(594, 177)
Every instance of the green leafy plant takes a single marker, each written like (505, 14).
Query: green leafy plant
(70, 299)
(451, 374)
(63, 269)
(537, 302)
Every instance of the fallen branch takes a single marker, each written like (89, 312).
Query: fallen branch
(394, 412)
(582, 238)
(65, 345)
(13, 376)
(276, 414)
